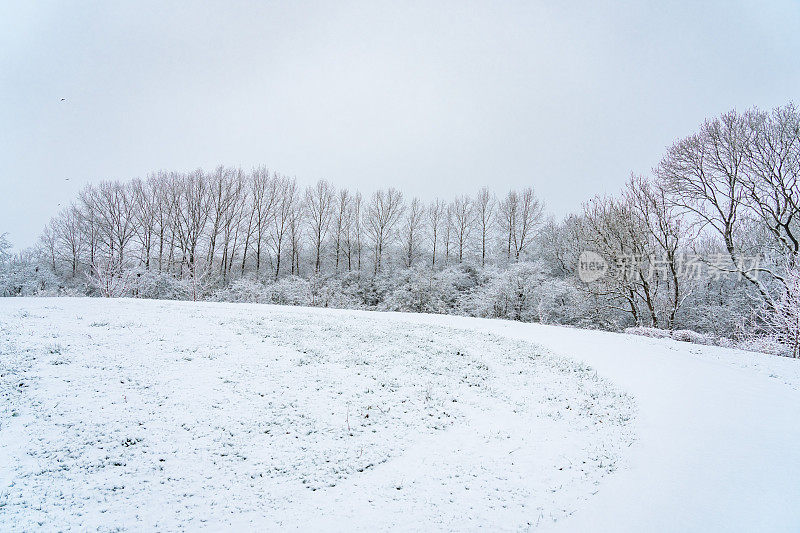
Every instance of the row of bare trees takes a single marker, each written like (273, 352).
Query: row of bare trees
(719, 198)
(233, 222)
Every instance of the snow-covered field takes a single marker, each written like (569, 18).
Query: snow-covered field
(131, 414)
(162, 415)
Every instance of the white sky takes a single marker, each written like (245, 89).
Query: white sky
(435, 98)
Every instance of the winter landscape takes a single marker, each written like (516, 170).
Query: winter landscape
(162, 415)
(367, 266)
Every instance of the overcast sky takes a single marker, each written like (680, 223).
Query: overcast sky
(435, 98)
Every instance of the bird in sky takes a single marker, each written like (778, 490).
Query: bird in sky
(63, 99)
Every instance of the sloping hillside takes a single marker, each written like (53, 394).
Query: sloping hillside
(167, 415)
(152, 414)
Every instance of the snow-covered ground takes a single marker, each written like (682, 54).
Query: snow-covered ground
(168, 415)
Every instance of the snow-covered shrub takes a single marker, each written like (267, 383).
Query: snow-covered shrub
(374, 290)
(244, 290)
(418, 291)
(644, 331)
(687, 335)
(291, 290)
(719, 308)
(682, 335)
(72, 291)
(352, 286)
(509, 294)
(764, 344)
(21, 277)
(726, 342)
(781, 319)
(110, 279)
(559, 302)
(5, 250)
(331, 291)
(25, 274)
(422, 290)
(157, 285)
(455, 285)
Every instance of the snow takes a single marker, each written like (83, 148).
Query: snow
(717, 432)
(170, 415)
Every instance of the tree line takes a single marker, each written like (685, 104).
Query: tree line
(724, 198)
(232, 222)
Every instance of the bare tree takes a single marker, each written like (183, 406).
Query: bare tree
(652, 207)
(354, 239)
(484, 207)
(341, 224)
(705, 175)
(232, 219)
(192, 216)
(87, 199)
(562, 244)
(114, 207)
(771, 183)
(411, 231)
(461, 219)
(383, 213)
(145, 198)
(448, 232)
(223, 198)
(68, 235)
(296, 217)
(263, 187)
(319, 209)
(248, 221)
(614, 229)
(781, 320)
(285, 212)
(166, 205)
(521, 214)
(435, 218)
(49, 242)
(509, 212)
